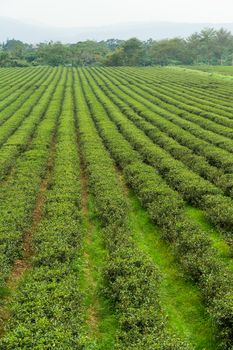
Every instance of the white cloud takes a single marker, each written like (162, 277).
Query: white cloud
(91, 13)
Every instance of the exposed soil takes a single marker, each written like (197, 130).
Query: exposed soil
(21, 266)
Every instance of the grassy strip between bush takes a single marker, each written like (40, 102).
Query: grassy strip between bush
(180, 298)
(193, 188)
(195, 162)
(130, 278)
(223, 249)
(101, 322)
(187, 103)
(217, 149)
(191, 245)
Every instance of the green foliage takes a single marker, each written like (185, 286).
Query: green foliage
(169, 130)
(39, 323)
(191, 187)
(192, 246)
(131, 279)
(207, 47)
(53, 54)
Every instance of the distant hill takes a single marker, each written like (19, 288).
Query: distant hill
(10, 28)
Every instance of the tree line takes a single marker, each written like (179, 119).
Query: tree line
(209, 46)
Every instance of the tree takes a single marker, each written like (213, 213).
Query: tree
(89, 53)
(210, 46)
(207, 44)
(169, 51)
(4, 58)
(113, 44)
(116, 58)
(53, 54)
(224, 46)
(194, 48)
(132, 52)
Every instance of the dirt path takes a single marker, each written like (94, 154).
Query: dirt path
(21, 266)
(91, 284)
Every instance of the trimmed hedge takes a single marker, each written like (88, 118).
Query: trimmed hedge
(131, 279)
(47, 308)
(191, 246)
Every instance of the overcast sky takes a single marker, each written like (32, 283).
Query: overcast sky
(81, 13)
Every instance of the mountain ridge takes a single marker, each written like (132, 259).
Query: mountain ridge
(34, 33)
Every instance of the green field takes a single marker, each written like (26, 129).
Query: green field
(116, 223)
(224, 70)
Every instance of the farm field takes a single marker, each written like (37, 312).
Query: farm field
(116, 188)
(224, 70)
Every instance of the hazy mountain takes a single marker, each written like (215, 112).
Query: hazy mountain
(10, 28)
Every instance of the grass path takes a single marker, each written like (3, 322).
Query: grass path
(180, 299)
(223, 249)
(100, 322)
(89, 283)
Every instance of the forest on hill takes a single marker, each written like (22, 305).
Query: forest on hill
(209, 46)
